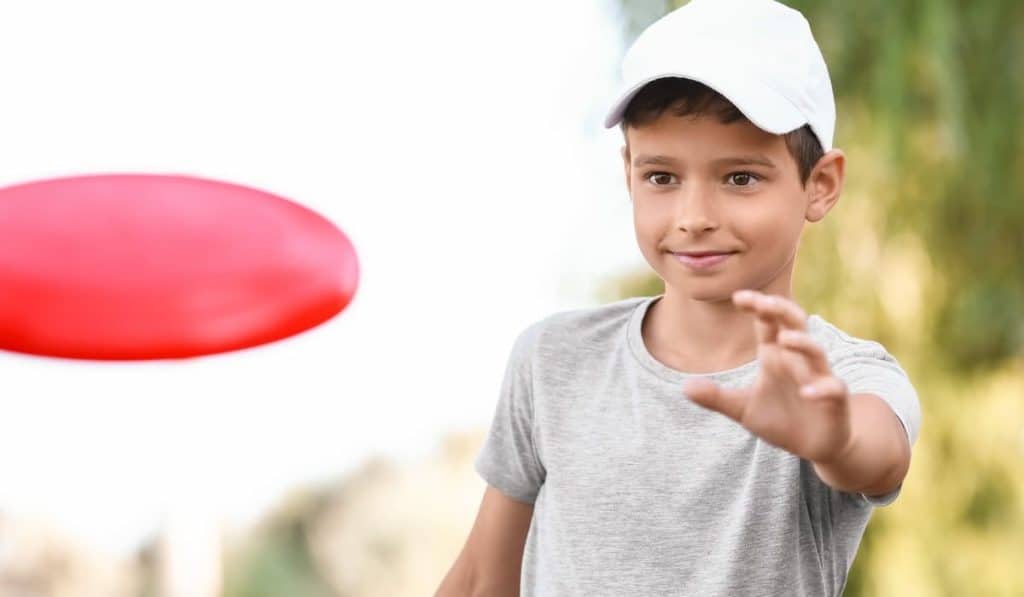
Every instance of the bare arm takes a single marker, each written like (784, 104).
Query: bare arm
(491, 561)
(877, 456)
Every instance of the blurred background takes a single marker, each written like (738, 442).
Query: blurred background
(459, 145)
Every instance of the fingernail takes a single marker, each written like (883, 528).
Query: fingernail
(809, 390)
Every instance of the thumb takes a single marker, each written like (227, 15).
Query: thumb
(710, 395)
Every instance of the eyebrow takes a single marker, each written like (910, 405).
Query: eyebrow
(758, 159)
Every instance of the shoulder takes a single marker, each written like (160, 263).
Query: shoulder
(591, 320)
(867, 367)
(595, 316)
(570, 327)
(840, 345)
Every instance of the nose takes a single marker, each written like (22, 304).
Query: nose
(695, 209)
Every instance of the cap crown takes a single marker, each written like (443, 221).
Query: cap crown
(752, 51)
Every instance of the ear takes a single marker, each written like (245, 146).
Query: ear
(626, 167)
(824, 184)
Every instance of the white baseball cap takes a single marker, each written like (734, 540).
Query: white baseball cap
(759, 54)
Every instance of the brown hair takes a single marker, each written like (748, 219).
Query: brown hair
(689, 97)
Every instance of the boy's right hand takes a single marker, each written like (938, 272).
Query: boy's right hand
(796, 402)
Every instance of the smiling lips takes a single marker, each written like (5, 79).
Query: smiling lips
(701, 260)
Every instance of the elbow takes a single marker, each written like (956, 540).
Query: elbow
(894, 474)
(901, 464)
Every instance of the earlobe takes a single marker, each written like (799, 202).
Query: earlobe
(825, 184)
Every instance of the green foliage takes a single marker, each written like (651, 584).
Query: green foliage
(276, 561)
(943, 85)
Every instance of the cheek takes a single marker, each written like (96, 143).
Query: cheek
(767, 228)
(649, 234)
(648, 226)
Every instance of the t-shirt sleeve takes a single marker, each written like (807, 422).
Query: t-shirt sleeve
(508, 459)
(867, 368)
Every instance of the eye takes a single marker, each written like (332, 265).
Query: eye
(746, 179)
(650, 175)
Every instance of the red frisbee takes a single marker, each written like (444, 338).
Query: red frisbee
(145, 266)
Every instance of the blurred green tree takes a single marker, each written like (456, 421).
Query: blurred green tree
(275, 560)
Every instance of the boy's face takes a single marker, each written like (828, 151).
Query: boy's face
(702, 193)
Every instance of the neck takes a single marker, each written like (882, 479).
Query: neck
(702, 336)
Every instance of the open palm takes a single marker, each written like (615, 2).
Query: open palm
(796, 403)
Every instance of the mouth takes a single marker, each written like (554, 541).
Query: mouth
(703, 259)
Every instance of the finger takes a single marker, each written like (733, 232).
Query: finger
(773, 312)
(765, 325)
(789, 314)
(745, 298)
(706, 393)
(784, 313)
(825, 388)
(803, 343)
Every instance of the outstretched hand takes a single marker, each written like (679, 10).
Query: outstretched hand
(796, 403)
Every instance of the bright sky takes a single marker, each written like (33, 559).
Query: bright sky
(458, 144)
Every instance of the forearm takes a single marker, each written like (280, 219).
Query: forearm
(877, 457)
(465, 580)
(458, 582)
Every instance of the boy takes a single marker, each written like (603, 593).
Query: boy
(714, 439)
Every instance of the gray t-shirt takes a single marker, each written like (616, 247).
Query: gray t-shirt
(638, 491)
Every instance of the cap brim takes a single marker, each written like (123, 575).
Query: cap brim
(764, 107)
